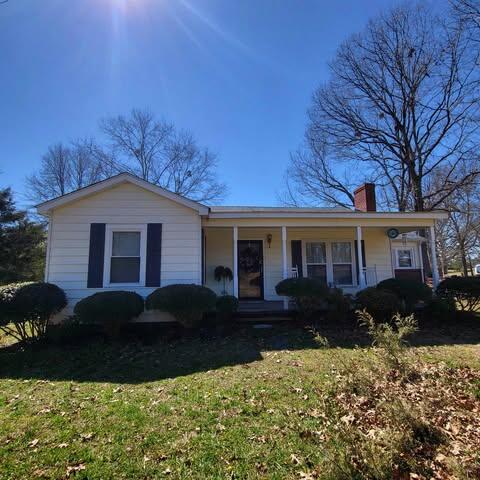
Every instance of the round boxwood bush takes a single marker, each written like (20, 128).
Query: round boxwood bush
(408, 291)
(439, 310)
(26, 308)
(309, 295)
(226, 306)
(380, 304)
(188, 303)
(339, 305)
(464, 291)
(112, 310)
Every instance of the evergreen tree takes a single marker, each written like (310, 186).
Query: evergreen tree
(22, 243)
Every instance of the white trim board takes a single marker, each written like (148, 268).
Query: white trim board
(45, 207)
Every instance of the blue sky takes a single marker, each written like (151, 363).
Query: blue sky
(238, 74)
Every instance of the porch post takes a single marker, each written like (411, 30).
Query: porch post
(420, 260)
(284, 262)
(433, 254)
(361, 274)
(235, 261)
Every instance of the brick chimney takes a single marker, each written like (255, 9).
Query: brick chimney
(365, 198)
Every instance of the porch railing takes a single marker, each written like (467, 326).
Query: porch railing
(369, 272)
(370, 276)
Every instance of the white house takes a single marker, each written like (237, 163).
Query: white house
(124, 233)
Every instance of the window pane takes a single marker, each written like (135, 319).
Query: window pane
(126, 244)
(316, 252)
(404, 258)
(125, 270)
(342, 275)
(342, 252)
(317, 271)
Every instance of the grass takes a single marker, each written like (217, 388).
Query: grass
(272, 403)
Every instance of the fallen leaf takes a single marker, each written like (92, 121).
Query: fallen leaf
(295, 460)
(75, 468)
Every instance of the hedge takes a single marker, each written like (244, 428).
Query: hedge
(188, 303)
(112, 310)
(26, 308)
(464, 291)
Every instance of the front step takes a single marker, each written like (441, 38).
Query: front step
(268, 315)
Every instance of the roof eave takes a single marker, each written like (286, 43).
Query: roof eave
(437, 215)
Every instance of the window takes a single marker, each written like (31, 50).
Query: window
(342, 263)
(317, 260)
(125, 257)
(404, 258)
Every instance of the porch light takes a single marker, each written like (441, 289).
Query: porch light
(269, 240)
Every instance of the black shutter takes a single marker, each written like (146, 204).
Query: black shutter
(154, 255)
(364, 262)
(96, 255)
(297, 256)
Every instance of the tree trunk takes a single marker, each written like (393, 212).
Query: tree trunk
(463, 257)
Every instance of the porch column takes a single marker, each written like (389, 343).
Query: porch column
(361, 274)
(284, 262)
(235, 261)
(433, 254)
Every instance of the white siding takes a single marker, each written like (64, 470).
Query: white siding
(124, 204)
(219, 251)
(377, 252)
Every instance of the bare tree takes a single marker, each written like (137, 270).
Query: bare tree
(401, 102)
(468, 11)
(462, 229)
(67, 167)
(156, 152)
(311, 179)
(140, 142)
(192, 170)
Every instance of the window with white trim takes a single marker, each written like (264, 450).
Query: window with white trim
(404, 257)
(316, 259)
(125, 255)
(342, 263)
(125, 258)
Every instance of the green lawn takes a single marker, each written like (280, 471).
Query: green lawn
(276, 403)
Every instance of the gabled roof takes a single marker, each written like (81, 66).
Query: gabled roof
(46, 207)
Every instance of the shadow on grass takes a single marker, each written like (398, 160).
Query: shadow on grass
(143, 358)
(155, 356)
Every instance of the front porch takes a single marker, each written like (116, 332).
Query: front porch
(348, 257)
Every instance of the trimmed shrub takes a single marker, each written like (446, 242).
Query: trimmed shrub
(112, 310)
(309, 295)
(408, 291)
(439, 309)
(380, 304)
(70, 332)
(339, 305)
(26, 308)
(187, 303)
(464, 291)
(226, 306)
